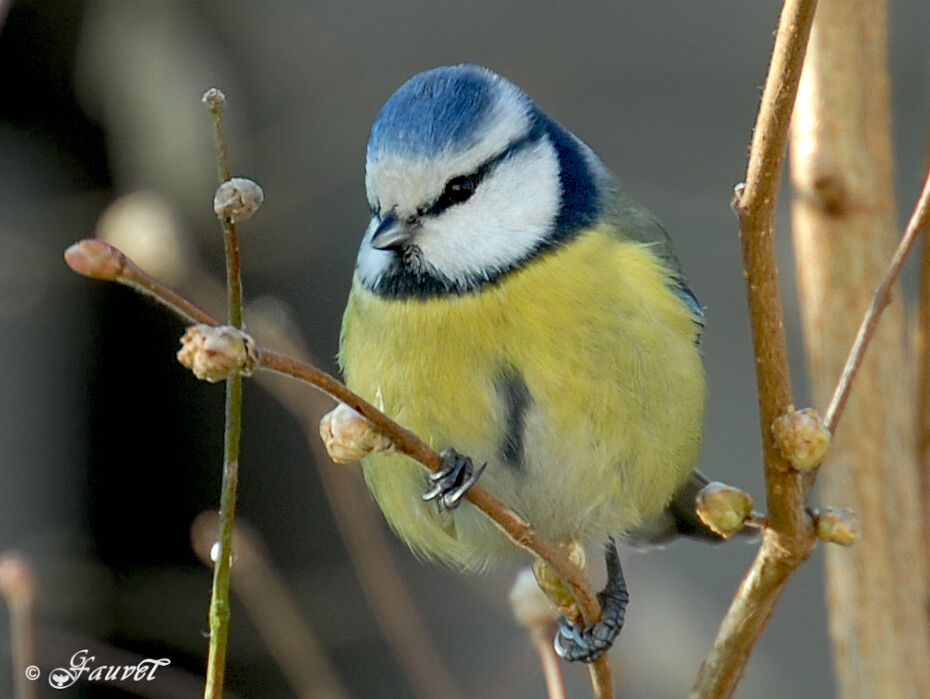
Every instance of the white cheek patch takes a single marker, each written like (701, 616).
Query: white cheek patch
(509, 215)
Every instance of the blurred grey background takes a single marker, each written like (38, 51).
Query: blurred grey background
(109, 449)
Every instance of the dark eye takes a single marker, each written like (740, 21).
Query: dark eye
(457, 190)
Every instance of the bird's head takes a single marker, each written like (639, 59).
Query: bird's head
(467, 180)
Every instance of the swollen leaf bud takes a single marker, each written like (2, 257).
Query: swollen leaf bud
(214, 99)
(550, 584)
(802, 437)
(348, 436)
(96, 259)
(838, 525)
(723, 508)
(237, 199)
(216, 353)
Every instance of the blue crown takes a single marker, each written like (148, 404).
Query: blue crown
(435, 111)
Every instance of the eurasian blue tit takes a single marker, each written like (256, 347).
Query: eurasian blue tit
(518, 310)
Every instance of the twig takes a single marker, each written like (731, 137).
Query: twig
(880, 300)
(294, 645)
(100, 260)
(18, 588)
(789, 538)
(219, 600)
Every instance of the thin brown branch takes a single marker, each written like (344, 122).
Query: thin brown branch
(519, 532)
(789, 538)
(100, 260)
(880, 300)
(405, 441)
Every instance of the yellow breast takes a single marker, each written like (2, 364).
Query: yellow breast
(615, 385)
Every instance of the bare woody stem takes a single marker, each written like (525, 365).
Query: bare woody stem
(121, 269)
(789, 539)
(880, 300)
(755, 207)
(219, 600)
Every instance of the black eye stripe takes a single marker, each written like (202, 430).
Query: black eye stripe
(460, 188)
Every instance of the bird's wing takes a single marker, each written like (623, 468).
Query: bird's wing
(637, 223)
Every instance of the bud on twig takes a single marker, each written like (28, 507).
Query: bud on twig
(802, 437)
(723, 508)
(550, 584)
(348, 436)
(214, 99)
(237, 199)
(96, 259)
(215, 353)
(837, 525)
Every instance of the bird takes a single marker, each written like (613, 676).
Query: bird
(524, 315)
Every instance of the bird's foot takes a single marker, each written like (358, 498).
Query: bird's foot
(449, 484)
(587, 643)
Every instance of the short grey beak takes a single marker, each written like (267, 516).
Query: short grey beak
(390, 233)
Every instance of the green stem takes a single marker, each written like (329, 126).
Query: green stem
(219, 601)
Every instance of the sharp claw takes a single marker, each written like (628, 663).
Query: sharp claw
(570, 632)
(432, 493)
(452, 499)
(451, 482)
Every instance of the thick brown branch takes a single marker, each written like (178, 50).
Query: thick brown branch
(789, 539)
(755, 206)
(748, 614)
